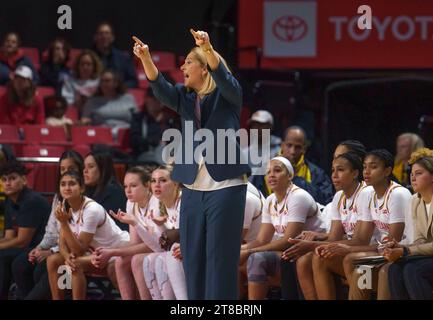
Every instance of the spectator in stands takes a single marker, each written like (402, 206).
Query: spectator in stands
(294, 148)
(11, 56)
(261, 120)
(84, 226)
(406, 144)
(20, 104)
(55, 107)
(84, 80)
(54, 69)
(286, 213)
(30, 270)
(113, 58)
(141, 208)
(26, 216)
(412, 277)
(101, 183)
(147, 127)
(111, 106)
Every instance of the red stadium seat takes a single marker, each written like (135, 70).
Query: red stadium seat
(120, 171)
(42, 151)
(42, 176)
(139, 95)
(9, 134)
(2, 90)
(142, 80)
(33, 55)
(180, 60)
(82, 149)
(45, 92)
(164, 60)
(177, 75)
(40, 134)
(73, 54)
(123, 139)
(72, 113)
(91, 135)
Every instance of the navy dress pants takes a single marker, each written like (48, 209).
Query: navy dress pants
(211, 225)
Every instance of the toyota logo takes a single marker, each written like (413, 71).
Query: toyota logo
(289, 28)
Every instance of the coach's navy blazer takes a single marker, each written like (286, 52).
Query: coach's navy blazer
(219, 110)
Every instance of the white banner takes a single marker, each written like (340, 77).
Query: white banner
(290, 28)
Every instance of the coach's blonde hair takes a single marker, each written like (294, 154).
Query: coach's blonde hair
(209, 84)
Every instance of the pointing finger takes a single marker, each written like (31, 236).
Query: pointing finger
(193, 32)
(137, 40)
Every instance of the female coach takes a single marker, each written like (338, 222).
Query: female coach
(213, 200)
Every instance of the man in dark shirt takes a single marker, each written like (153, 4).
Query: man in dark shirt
(113, 58)
(294, 147)
(26, 214)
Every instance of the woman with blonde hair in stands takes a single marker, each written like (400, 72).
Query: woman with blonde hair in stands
(84, 81)
(406, 144)
(84, 226)
(287, 212)
(141, 208)
(410, 276)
